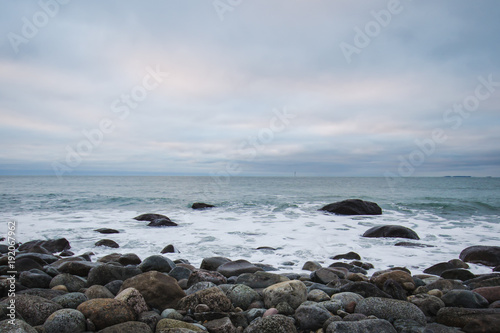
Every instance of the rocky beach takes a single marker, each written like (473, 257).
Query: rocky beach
(54, 290)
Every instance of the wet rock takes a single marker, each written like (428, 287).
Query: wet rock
(133, 298)
(34, 309)
(162, 223)
(171, 314)
(347, 298)
(363, 326)
(317, 295)
(106, 273)
(353, 207)
(430, 305)
(324, 276)
(391, 231)
(394, 289)
(42, 258)
(114, 286)
(70, 300)
(408, 326)
(311, 266)
(222, 325)
(458, 274)
(438, 328)
(349, 255)
(35, 278)
(464, 299)
(128, 327)
(322, 287)
(443, 284)
(107, 243)
(157, 263)
(487, 280)
(385, 308)
(411, 244)
(202, 275)
(44, 293)
(491, 294)
(151, 318)
(180, 273)
(200, 286)
(107, 231)
(80, 268)
(214, 298)
(259, 280)
(364, 289)
(27, 264)
(72, 283)
(292, 292)
(212, 263)
(51, 245)
(235, 268)
(19, 326)
(242, 296)
(129, 259)
(460, 317)
(201, 205)
(401, 277)
(169, 249)
(480, 254)
(160, 291)
(66, 321)
(105, 312)
(272, 324)
(98, 291)
(165, 324)
(311, 316)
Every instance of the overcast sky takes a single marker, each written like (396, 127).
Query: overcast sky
(250, 87)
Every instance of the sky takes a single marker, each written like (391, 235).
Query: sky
(250, 88)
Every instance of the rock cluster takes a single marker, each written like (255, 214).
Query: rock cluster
(122, 293)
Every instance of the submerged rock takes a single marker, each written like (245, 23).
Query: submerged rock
(392, 231)
(156, 220)
(108, 243)
(201, 205)
(353, 207)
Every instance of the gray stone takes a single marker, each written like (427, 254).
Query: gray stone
(311, 317)
(272, 324)
(429, 304)
(212, 263)
(464, 299)
(238, 267)
(70, 300)
(486, 255)
(151, 318)
(438, 328)
(353, 207)
(260, 279)
(333, 305)
(292, 292)
(171, 314)
(222, 325)
(317, 295)
(66, 321)
(311, 266)
(461, 317)
(98, 291)
(363, 326)
(35, 278)
(104, 274)
(324, 276)
(199, 286)
(385, 308)
(157, 263)
(128, 327)
(71, 282)
(19, 326)
(180, 273)
(408, 326)
(242, 296)
(391, 231)
(107, 243)
(34, 309)
(347, 298)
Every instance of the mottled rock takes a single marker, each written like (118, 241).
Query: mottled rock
(98, 291)
(460, 317)
(408, 326)
(159, 290)
(202, 275)
(66, 321)
(439, 268)
(317, 295)
(438, 328)
(385, 308)
(429, 304)
(165, 324)
(171, 314)
(353, 207)
(19, 326)
(242, 296)
(237, 267)
(391, 231)
(272, 324)
(35, 278)
(363, 326)
(128, 327)
(464, 299)
(200, 286)
(34, 309)
(347, 298)
(157, 263)
(151, 318)
(394, 289)
(105, 312)
(70, 300)
(106, 273)
(480, 254)
(222, 325)
(260, 279)
(311, 316)
(133, 298)
(214, 298)
(292, 292)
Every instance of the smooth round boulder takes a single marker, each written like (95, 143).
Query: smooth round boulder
(104, 312)
(107, 243)
(35, 278)
(481, 254)
(272, 324)
(353, 207)
(242, 296)
(106, 273)
(98, 291)
(391, 231)
(491, 294)
(311, 316)
(157, 263)
(72, 283)
(201, 205)
(386, 308)
(34, 309)
(70, 300)
(212, 263)
(237, 267)
(107, 231)
(464, 299)
(292, 292)
(66, 321)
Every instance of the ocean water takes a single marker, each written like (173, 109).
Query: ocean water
(449, 214)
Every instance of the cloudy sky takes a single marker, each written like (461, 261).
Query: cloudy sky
(250, 87)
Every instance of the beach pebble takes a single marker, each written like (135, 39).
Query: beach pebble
(275, 324)
(363, 326)
(70, 300)
(66, 321)
(35, 278)
(353, 207)
(128, 327)
(133, 298)
(105, 312)
(439, 268)
(160, 291)
(73, 283)
(107, 243)
(311, 316)
(464, 299)
(237, 267)
(98, 291)
(292, 292)
(391, 231)
(156, 263)
(202, 275)
(213, 297)
(385, 308)
(242, 296)
(430, 305)
(34, 309)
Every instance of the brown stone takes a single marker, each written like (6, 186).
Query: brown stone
(105, 312)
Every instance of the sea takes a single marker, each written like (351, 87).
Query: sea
(267, 220)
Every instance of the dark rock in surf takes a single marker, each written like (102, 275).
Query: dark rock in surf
(410, 244)
(391, 231)
(201, 205)
(458, 274)
(439, 268)
(480, 254)
(156, 263)
(156, 220)
(237, 267)
(162, 223)
(51, 245)
(169, 249)
(107, 243)
(212, 263)
(107, 231)
(349, 255)
(353, 207)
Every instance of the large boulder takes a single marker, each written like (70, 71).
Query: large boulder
(212, 263)
(392, 231)
(104, 312)
(385, 308)
(237, 267)
(159, 290)
(480, 254)
(292, 292)
(51, 245)
(464, 299)
(353, 207)
(156, 220)
(34, 309)
(66, 321)
(80, 268)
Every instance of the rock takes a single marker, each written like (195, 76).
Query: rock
(311, 316)
(171, 314)
(442, 284)
(429, 304)
(292, 292)
(235, 268)
(151, 318)
(491, 294)
(133, 298)
(458, 274)
(438, 328)
(317, 295)
(411, 244)
(201, 205)
(363, 326)
(169, 249)
(19, 326)
(44, 293)
(129, 259)
(114, 286)
(72, 283)
(80, 268)
(364, 289)
(150, 217)
(202, 275)
(333, 306)
(216, 300)
(272, 324)
(480, 254)
(222, 325)
(461, 317)
(408, 326)
(42, 258)
(242, 296)
(27, 264)
(157, 263)
(439, 268)
(347, 298)
(165, 324)
(35, 278)
(212, 263)
(385, 308)
(394, 289)
(349, 255)
(98, 291)
(107, 231)
(401, 277)
(162, 223)
(160, 291)
(391, 231)
(107, 243)
(70, 300)
(259, 280)
(128, 327)
(66, 321)
(180, 273)
(200, 286)
(34, 309)
(51, 245)
(353, 207)
(105, 312)
(324, 276)
(464, 299)
(106, 273)
(311, 266)
(484, 281)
